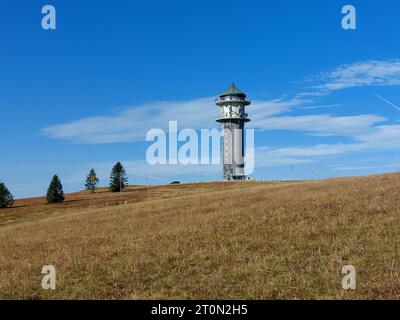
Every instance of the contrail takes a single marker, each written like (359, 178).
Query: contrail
(387, 101)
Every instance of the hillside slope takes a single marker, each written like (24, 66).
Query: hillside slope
(223, 241)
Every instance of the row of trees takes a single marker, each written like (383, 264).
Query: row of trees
(55, 193)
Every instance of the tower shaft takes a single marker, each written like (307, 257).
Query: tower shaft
(233, 150)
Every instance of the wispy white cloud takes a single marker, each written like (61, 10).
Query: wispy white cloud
(133, 123)
(271, 157)
(309, 151)
(326, 106)
(323, 125)
(261, 109)
(369, 138)
(360, 74)
(380, 137)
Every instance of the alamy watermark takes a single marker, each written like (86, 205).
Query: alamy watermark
(49, 20)
(198, 147)
(349, 280)
(349, 21)
(49, 280)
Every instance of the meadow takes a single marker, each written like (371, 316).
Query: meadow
(220, 240)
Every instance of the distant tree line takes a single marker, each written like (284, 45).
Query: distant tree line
(55, 193)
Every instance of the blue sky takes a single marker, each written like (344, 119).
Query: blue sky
(85, 94)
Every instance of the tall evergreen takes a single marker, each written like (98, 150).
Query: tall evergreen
(55, 192)
(6, 198)
(91, 181)
(118, 178)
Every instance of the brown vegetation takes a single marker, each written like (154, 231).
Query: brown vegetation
(230, 240)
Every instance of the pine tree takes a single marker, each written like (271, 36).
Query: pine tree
(118, 178)
(6, 198)
(91, 181)
(55, 192)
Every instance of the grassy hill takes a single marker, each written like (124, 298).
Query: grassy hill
(220, 241)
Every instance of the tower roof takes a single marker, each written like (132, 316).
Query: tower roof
(232, 91)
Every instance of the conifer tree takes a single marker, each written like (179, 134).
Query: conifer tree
(55, 192)
(6, 198)
(91, 181)
(118, 178)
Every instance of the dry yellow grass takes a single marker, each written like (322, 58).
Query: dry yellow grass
(234, 241)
